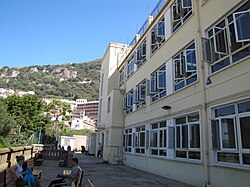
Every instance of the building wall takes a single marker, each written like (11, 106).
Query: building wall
(179, 171)
(188, 153)
(109, 89)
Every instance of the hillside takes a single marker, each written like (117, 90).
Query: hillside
(71, 81)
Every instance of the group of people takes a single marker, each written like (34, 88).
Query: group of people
(23, 177)
(61, 148)
(26, 178)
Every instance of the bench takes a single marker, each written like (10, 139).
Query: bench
(35, 172)
(78, 181)
(89, 183)
(9, 178)
(63, 155)
(38, 160)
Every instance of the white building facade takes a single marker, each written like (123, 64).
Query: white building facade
(177, 102)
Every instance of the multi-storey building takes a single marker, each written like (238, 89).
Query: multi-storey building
(90, 108)
(177, 101)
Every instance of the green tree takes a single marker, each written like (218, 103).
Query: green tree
(27, 112)
(7, 126)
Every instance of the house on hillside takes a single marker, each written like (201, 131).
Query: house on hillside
(176, 101)
(80, 121)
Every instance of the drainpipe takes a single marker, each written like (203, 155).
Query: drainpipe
(205, 129)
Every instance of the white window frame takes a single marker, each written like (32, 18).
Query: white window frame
(182, 3)
(180, 67)
(159, 91)
(136, 95)
(235, 134)
(157, 131)
(155, 82)
(160, 26)
(189, 135)
(140, 56)
(223, 30)
(239, 150)
(140, 88)
(129, 97)
(121, 76)
(188, 148)
(160, 72)
(179, 61)
(180, 21)
(131, 65)
(246, 114)
(213, 57)
(137, 139)
(159, 39)
(235, 25)
(140, 132)
(150, 134)
(144, 44)
(186, 62)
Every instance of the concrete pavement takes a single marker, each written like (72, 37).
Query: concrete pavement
(105, 175)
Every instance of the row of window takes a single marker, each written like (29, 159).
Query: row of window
(230, 129)
(229, 40)
(135, 98)
(160, 138)
(185, 73)
(230, 136)
(181, 11)
(226, 43)
(135, 61)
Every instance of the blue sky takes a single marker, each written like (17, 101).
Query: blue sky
(40, 32)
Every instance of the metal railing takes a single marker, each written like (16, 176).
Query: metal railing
(145, 25)
(158, 8)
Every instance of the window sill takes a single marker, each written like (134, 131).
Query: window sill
(229, 66)
(231, 166)
(127, 78)
(187, 160)
(136, 110)
(198, 162)
(181, 89)
(166, 39)
(153, 102)
(175, 92)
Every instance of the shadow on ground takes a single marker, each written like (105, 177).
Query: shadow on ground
(105, 175)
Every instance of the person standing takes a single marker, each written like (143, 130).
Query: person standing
(69, 148)
(99, 150)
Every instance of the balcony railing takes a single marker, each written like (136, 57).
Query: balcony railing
(145, 25)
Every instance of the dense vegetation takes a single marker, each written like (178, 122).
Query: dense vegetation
(71, 81)
(24, 119)
(20, 117)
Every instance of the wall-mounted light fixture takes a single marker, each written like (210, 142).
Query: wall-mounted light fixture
(166, 107)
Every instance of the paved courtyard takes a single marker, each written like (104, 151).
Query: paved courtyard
(105, 175)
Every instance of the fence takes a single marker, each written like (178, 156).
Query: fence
(145, 25)
(53, 154)
(8, 158)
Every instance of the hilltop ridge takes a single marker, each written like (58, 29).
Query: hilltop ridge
(70, 81)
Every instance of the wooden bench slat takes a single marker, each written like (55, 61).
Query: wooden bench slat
(89, 184)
